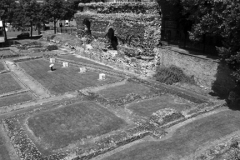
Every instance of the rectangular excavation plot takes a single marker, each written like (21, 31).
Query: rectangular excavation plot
(147, 107)
(8, 84)
(63, 80)
(66, 125)
(122, 91)
(15, 99)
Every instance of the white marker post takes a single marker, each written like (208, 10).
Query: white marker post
(102, 76)
(65, 64)
(82, 69)
(52, 60)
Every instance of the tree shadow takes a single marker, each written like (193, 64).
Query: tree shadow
(225, 87)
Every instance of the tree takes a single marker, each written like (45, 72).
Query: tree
(219, 18)
(27, 14)
(54, 10)
(7, 8)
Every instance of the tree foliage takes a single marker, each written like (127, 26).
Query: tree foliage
(27, 13)
(7, 8)
(54, 10)
(219, 18)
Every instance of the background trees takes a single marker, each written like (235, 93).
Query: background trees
(7, 8)
(27, 13)
(219, 18)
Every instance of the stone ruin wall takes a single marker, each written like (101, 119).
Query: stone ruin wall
(136, 27)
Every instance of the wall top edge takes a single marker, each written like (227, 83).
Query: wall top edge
(123, 7)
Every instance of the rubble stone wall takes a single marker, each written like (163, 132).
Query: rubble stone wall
(137, 26)
(207, 72)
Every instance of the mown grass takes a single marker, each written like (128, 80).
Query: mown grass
(8, 84)
(6, 52)
(122, 90)
(148, 107)
(15, 99)
(63, 79)
(62, 126)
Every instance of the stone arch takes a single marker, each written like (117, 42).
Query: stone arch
(112, 38)
(87, 25)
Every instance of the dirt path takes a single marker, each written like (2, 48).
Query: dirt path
(38, 90)
(184, 141)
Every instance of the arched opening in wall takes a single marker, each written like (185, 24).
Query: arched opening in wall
(87, 26)
(112, 39)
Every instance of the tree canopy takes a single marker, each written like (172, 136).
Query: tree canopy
(27, 13)
(217, 18)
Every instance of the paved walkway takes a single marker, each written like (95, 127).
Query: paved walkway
(36, 88)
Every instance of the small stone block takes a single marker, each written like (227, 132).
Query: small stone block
(65, 64)
(52, 60)
(102, 76)
(82, 69)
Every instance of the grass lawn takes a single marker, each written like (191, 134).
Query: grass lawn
(2, 68)
(5, 52)
(8, 83)
(15, 99)
(147, 107)
(63, 79)
(65, 125)
(82, 60)
(121, 91)
(185, 140)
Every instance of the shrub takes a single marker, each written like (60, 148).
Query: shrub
(171, 75)
(52, 47)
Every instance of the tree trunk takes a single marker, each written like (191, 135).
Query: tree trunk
(38, 28)
(4, 31)
(54, 25)
(204, 43)
(31, 28)
(44, 27)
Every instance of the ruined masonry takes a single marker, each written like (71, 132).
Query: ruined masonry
(122, 35)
